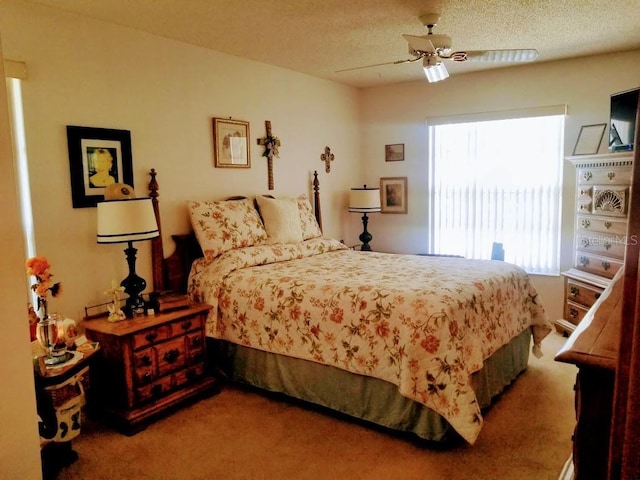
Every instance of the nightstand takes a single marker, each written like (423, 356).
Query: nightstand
(149, 364)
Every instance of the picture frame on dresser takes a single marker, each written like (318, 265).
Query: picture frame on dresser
(589, 139)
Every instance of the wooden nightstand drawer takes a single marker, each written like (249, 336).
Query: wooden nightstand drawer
(170, 383)
(160, 333)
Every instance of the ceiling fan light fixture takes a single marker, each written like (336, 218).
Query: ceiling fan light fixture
(434, 69)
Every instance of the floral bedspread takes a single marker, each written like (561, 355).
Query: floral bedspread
(424, 324)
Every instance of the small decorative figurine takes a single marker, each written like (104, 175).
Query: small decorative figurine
(115, 313)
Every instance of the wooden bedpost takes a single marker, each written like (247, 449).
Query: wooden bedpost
(157, 253)
(316, 199)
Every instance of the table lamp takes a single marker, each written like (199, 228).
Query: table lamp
(128, 220)
(365, 200)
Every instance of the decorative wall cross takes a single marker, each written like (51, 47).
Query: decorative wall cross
(327, 157)
(271, 143)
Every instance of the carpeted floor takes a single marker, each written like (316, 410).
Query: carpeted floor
(240, 434)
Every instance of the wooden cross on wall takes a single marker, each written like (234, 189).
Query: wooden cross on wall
(271, 143)
(327, 157)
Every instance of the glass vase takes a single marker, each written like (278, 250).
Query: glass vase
(47, 335)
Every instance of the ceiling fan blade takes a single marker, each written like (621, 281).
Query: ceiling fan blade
(514, 55)
(397, 62)
(419, 44)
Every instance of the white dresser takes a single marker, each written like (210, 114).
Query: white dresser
(603, 184)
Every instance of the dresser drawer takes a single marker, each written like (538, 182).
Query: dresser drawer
(152, 336)
(601, 244)
(604, 266)
(169, 383)
(574, 312)
(581, 293)
(605, 176)
(611, 226)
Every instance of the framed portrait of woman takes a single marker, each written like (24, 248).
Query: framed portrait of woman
(98, 157)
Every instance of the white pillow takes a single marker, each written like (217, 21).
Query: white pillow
(281, 219)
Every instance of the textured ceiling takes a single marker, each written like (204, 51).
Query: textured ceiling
(319, 37)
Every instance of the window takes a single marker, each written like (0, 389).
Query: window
(498, 181)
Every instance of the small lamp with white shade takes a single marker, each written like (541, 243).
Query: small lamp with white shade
(365, 200)
(126, 221)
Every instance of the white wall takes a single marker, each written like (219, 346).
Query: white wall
(90, 73)
(397, 114)
(19, 441)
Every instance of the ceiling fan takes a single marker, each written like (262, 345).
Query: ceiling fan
(433, 49)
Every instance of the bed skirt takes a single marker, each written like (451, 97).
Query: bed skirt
(358, 396)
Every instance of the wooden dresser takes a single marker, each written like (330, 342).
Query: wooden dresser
(149, 364)
(603, 185)
(593, 347)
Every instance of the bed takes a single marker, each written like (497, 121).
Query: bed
(415, 344)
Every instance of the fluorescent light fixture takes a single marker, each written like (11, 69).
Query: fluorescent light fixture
(434, 69)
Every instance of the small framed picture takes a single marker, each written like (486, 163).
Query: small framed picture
(589, 139)
(393, 192)
(394, 152)
(231, 143)
(98, 157)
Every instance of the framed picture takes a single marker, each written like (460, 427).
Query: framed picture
(393, 192)
(98, 157)
(589, 139)
(394, 152)
(231, 143)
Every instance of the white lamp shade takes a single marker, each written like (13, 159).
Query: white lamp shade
(127, 220)
(364, 200)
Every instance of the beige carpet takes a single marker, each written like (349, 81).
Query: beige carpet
(240, 434)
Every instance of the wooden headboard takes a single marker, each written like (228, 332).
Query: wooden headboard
(172, 273)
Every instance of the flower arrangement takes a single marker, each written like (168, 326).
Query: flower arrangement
(39, 268)
(271, 144)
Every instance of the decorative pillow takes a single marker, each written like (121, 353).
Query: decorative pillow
(281, 219)
(308, 222)
(227, 224)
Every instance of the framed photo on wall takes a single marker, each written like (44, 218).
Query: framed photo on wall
(231, 143)
(393, 193)
(394, 152)
(98, 157)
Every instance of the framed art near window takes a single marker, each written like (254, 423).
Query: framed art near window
(589, 139)
(98, 157)
(394, 152)
(231, 143)
(393, 191)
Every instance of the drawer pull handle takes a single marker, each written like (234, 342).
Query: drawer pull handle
(606, 265)
(186, 325)
(585, 241)
(573, 313)
(575, 291)
(147, 377)
(172, 355)
(587, 175)
(611, 175)
(583, 261)
(145, 361)
(195, 341)
(151, 336)
(608, 225)
(607, 244)
(156, 390)
(586, 224)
